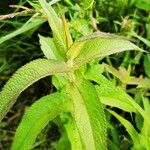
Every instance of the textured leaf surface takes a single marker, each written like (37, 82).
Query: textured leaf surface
(26, 76)
(48, 47)
(37, 117)
(108, 93)
(132, 104)
(98, 45)
(145, 131)
(32, 23)
(89, 115)
(56, 26)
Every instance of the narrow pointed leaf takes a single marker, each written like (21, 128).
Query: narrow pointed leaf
(68, 38)
(88, 115)
(49, 49)
(129, 127)
(25, 77)
(133, 105)
(56, 26)
(32, 23)
(37, 117)
(147, 64)
(73, 134)
(63, 143)
(98, 45)
(88, 3)
(108, 93)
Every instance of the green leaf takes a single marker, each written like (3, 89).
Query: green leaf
(144, 40)
(112, 145)
(147, 64)
(88, 115)
(130, 129)
(56, 26)
(63, 143)
(96, 45)
(37, 117)
(108, 93)
(130, 102)
(88, 3)
(25, 77)
(48, 47)
(144, 5)
(145, 129)
(72, 132)
(68, 38)
(32, 23)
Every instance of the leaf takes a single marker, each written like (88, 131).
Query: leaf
(108, 93)
(96, 45)
(68, 38)
(88, 3)
(56, 26)
(32, 23)
(144, 5)
(145, 129)
(144, 40)
(88, 115)
(124, 76)
(37, 117)
(147, 64)
(25, 77)
(72, 132)
(112, 145)
(130, 129)
(49, 49)
(133, 105)
(63, 143)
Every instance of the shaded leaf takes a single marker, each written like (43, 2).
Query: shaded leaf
(32, 23)
(147, 64)
(72, 132)
(130, 129)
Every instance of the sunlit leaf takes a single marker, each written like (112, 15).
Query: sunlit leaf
(89, 115)
(88, 3)
(37, 117)
(49, 49)
(56, 25)
(25, 77)
(98, 45)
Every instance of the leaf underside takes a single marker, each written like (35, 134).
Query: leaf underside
(96, 45)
